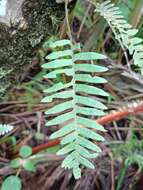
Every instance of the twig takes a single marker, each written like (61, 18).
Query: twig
(45, 146)
(67, 20)
(83, 21)
(138, 108)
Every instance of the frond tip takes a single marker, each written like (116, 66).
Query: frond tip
(5, 128)
(123, 31)
(74, 114)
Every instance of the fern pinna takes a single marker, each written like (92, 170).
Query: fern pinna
(123, 31)
(76, 109)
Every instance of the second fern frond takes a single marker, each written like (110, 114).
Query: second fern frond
(123, 31)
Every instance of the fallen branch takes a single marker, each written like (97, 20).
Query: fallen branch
(131, 109)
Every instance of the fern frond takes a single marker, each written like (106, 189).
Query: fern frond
(123, 31)
(4, 128)
(78, 131)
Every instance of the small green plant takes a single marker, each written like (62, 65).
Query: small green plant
(12, 182)
(79, 105)
(131, 153)
(23, 161)
(5, 128)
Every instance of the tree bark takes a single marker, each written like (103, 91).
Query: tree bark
(24, 26)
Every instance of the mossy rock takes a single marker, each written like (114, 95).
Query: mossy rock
(21, 37)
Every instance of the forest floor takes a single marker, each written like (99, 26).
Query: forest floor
(124, 137)
(120, 165)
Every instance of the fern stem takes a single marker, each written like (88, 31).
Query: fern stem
(73, 65)
(83, 21)
(121, 44)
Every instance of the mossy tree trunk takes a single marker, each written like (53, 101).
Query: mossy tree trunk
(24, 26)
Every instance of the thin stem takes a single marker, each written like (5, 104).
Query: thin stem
(18, 172)
(121, 44)
(67, 20)
(83, 21)
(138, 108)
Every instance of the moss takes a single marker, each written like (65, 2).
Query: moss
(19, 43)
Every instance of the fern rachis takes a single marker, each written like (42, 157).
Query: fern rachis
(78, 130)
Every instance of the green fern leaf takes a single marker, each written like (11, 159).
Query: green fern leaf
(89, 111)
(90, 134)
(83, 56)
(63, 131)
(88, 144)
(53, 74)
(61, 118)
(58, 86)
(85, 162)
(60, 43)
(90, 68)
(62, 95)
(59, 54)
(85, 153)
(66, 149)
(90, 90)
(60, 107)
(90, 102)
(76, 170)
(90, 123)
(78, 131)
(69, 138)
(89, 78)
(123, 31)
(57, 63)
